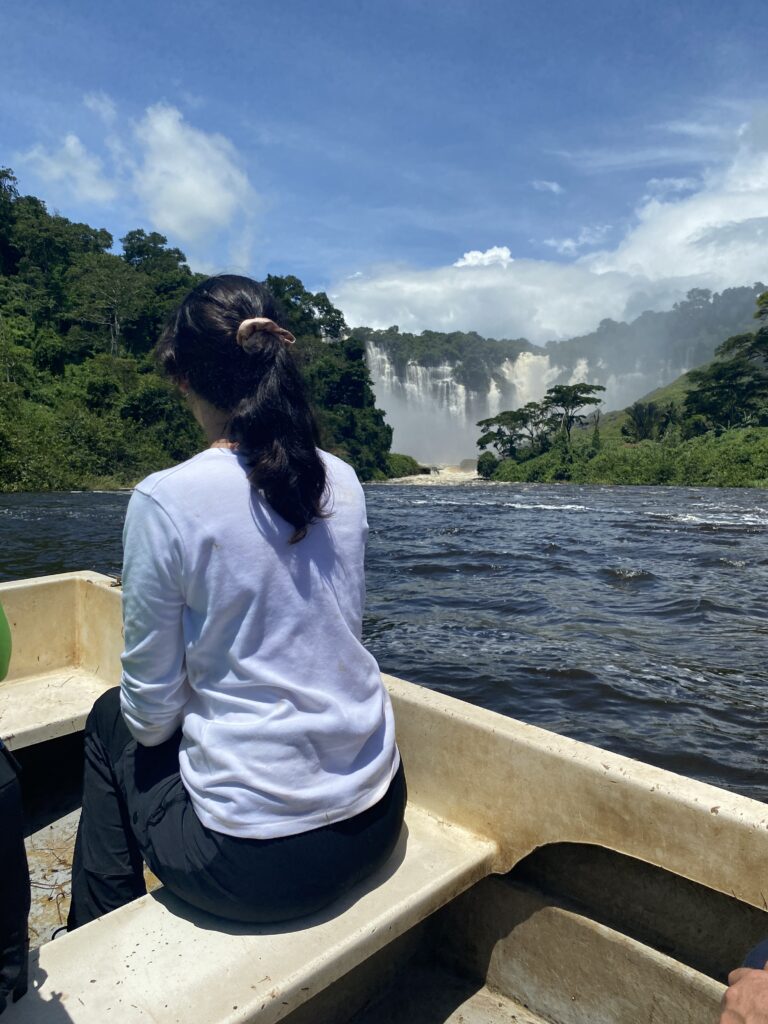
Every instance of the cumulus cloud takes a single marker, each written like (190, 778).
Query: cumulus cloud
(712, 233)
(189, 181)
(189, 184)
(497, 254)
(587, 236)
(71, 164)
(547, 186)
(661, 187)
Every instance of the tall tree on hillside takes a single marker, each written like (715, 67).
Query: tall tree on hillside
(648, 421)
(107, 292)
(564, 402)
(9, 193)
(729, 393)
(166, 270)
(504, 432)
(308, 314)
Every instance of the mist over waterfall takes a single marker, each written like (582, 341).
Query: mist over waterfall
(435, 417)
(434, 387)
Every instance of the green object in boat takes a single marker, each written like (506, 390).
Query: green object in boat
(5, 644)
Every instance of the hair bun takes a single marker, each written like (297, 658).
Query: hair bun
(258, 330)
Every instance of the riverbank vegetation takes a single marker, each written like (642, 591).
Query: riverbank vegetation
(709, 428)
(81, 402)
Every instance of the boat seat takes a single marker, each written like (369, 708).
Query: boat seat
(161, 960)
(66, 634)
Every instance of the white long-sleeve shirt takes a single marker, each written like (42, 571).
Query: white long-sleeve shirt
(252, 646)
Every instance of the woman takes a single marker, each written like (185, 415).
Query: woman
(249, 757)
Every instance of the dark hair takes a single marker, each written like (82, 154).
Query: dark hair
(261, 388)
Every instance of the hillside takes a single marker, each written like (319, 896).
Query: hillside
(674, 392)
(82, 403)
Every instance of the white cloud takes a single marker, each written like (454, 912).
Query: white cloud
(619, 158)
(700, 129)
(497, 255)
(189, 184)
(587, 236)
(547, 186)
(72, 165)
(101, 105)
(661, 187)
(709, 233)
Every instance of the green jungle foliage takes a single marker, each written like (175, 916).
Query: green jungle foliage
(81, 402)
(403, 465)
(709, 428)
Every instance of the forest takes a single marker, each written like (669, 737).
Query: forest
(82, 404)
(708, 428)
(653, 345)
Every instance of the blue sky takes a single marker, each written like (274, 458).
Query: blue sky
(592, 158)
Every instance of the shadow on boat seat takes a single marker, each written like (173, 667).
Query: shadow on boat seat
(210, 922)
(33, 1006)
(161, 960)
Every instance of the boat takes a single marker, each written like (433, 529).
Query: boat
(538, 879)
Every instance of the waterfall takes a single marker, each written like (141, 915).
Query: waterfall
(530, 375)
(434, 417)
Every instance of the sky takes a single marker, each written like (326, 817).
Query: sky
(516, 168)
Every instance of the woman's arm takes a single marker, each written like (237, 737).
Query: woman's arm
(154, 686)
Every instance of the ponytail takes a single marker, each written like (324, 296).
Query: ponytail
(258, 384)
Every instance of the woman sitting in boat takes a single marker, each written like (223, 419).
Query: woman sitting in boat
(248, 756)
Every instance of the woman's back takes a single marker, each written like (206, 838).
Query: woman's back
(286, 725)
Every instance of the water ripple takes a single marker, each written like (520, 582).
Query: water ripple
(634, 618)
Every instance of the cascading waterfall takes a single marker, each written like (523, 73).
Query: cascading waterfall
(434, 409)
(434, 417)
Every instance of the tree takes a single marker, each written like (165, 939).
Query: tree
(534, 423)
(107, 292)
(166, 270)
(752, 345)
(486, 464)
(648, 421)
(503, 432)
(151, 254)
(729, 393)
(564, 401)
(9, 193)
(307, 314)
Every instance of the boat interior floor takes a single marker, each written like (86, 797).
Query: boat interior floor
(432, 994)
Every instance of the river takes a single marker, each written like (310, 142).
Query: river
(632, 618)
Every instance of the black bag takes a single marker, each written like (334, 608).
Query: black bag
(14, 885)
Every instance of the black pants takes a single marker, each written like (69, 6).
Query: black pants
(14, 886)
(135, 808)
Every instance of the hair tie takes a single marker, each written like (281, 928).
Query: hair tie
(261, 325)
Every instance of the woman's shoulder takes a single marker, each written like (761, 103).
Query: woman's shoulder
(343, 482)
(203, 472)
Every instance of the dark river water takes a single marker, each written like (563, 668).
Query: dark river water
(633, 618)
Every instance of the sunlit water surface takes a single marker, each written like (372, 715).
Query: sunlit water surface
(632, 618)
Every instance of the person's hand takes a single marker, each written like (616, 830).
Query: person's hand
(746, 999)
